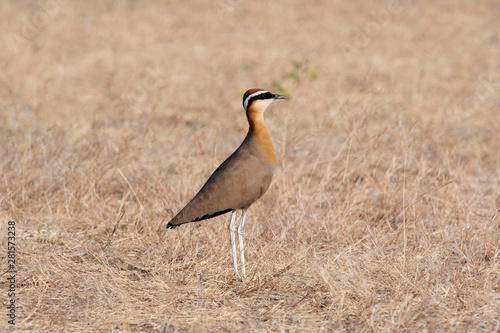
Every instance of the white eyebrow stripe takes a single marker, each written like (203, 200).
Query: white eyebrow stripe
(245, 104)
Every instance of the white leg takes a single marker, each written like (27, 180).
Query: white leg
(232, 229)
(240, 241)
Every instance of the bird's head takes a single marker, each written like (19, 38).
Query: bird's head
(259, 99)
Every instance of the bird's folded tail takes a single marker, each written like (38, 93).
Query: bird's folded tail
(172, 226)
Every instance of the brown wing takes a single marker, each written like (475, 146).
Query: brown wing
(237, 183)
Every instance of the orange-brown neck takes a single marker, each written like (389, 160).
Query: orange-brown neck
(258, 130)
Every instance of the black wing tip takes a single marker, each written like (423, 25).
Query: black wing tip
(209, 216)
(204, 217)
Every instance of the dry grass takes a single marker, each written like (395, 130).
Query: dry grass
(383, 212)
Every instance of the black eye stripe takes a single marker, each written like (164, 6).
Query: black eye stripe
(267, 95)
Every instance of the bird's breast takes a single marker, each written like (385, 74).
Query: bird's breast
(264, 145)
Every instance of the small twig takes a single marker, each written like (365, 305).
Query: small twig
(495, 215)
(347, 161)
(132, 189)
(108, 242)
(130, 267)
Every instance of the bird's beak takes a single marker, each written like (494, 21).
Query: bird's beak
(276, 96)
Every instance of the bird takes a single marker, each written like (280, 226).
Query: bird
(241, 179)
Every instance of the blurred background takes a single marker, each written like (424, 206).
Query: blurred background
(383, 211)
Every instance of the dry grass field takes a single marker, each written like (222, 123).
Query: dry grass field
(384, 211)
